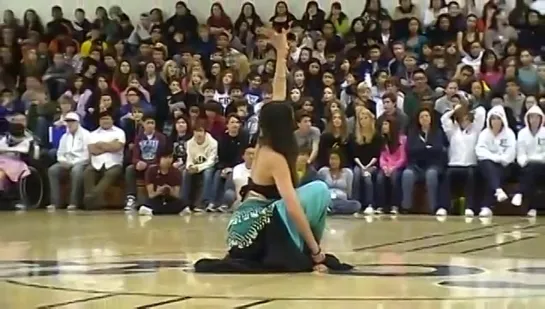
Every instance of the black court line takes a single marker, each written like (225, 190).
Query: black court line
(161, 303)
(496, 245)
(457, 241)
(435, 235)
(77, 301)
(253, 298)
(254, 304)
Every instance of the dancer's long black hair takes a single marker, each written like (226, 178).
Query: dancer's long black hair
(276, 126)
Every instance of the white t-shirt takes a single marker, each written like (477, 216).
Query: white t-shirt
(107, 159)
(240, 178)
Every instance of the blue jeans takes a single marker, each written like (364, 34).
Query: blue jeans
(410, 176)
(527, 182)
(494, 175)
(42, 129)
(220, 187)
(345, 207)
(207, 184)
(381, 186)
(368, 187)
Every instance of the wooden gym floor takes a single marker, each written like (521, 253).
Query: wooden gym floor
(111, 260)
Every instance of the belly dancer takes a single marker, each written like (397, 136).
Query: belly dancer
(277, 228)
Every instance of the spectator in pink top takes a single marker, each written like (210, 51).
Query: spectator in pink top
(392, 160)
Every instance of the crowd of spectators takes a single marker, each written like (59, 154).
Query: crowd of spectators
(445, 97)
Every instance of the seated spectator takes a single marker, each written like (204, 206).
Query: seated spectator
(148, 145)
(215, 122)
(13, 149)
(57, 76)
(335, 137)
(181, 134)
(425, 153)
(339, 180)
(390, 110)
(134, 100)
(392, 160)
(496, 151)
(531, 158)
(366, 150)
(163, 187)
(237, 180)
(231, 147)
(462, 129)
(306, 173)
(202, 155)
(306, 135)
(106, 148)
(72, 158)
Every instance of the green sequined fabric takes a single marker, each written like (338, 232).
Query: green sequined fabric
(247, 221)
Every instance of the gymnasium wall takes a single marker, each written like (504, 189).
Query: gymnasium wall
(201, 8)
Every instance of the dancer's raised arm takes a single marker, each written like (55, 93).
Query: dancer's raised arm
(280, 43)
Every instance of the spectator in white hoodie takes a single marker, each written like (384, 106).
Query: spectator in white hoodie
(202, 155)
(72, 158)
(496, 150)
(530, 157)
(462, 128)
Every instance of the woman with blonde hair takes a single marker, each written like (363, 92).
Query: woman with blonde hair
(170, 72)
(335, 136)
(366, 151)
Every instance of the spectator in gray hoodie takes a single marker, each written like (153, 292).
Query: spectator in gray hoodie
(57, 76)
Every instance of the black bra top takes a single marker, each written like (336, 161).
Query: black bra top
(268, 191)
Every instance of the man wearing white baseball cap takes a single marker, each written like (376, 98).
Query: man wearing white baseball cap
(72, 158)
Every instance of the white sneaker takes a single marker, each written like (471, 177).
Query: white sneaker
(20, 207)
(368, 211)
(469, 213)
(210, 207)
(223, 208)
(379, 211)
(186, 211)
(145, 211)
(130, 205)
(485, 212)
(517, 200)
(441, 212)
(501, 195)
(51, 207)
(71, 207)
(532, 213)
(394, 211)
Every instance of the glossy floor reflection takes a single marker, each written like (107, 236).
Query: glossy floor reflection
(110, 260)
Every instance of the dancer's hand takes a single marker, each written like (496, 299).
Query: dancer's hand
(278, 40)
(318, 258)
(320, 268)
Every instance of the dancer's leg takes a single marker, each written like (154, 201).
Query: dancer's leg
(314, 198)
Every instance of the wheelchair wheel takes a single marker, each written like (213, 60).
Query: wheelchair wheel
(31, 189)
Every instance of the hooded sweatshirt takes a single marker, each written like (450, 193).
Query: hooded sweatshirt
(462, 141)
(204, 155)
(500, 148)
(530, 146)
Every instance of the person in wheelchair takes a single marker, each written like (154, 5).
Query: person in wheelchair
(17, 147)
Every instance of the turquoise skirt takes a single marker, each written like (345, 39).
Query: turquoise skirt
(254, 214)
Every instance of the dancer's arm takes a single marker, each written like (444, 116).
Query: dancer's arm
(282, 178)
(280, 42)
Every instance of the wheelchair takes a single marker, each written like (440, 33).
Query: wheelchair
(28, 191)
